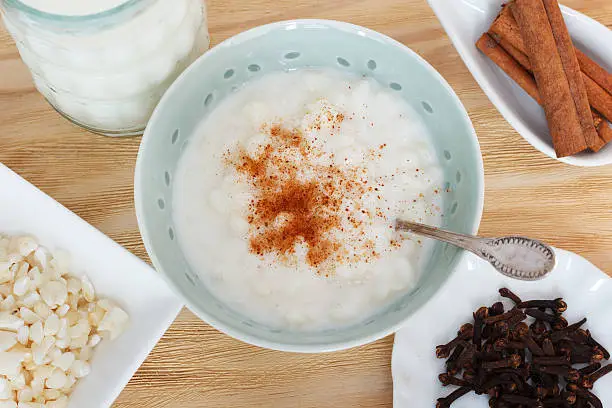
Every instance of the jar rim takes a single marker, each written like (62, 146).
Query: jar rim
(69, 19)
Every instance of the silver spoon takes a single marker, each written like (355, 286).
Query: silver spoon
(516, 257)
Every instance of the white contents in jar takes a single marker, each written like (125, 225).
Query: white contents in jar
(285, 200)
(73, 7)
(108, 73)
(50, 322)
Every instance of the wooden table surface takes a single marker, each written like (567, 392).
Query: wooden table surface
(196, 366)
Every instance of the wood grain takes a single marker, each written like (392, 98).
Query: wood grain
(194, 365)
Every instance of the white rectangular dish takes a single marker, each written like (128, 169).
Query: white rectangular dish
(115, 274)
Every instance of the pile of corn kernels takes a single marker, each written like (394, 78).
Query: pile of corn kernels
(50, 322)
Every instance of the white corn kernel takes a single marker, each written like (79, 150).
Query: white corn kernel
(52, 325)
(54, 293)
(21, 286)
(64, 361)
(17, 381)
(23, 335)
(63, 309)
(10, 322)
(36, 332)
(6, 391)
(88, 289)
(28, 315)
(70, 381)
(30, 299)
(25, 395)
(94, 340)
(80, 368)
(73, 285)
(115, 322)
(42, 310)
(26, 245)
(7, 340)
(37, 384)
(50, 394)
(56, 380)
(10, 363)
(8, 303)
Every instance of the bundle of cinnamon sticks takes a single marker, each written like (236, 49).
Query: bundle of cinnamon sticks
(530, 42)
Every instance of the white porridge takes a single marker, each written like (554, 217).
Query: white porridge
(285, 200)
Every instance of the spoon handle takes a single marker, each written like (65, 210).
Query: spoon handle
(467, 242)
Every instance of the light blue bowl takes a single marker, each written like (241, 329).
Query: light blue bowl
(286, 46)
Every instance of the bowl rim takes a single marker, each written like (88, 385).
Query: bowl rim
(139, 175)
(491, 91)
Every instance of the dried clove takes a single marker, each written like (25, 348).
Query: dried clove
(585, 394)
(514, 361)
(465, 332)
(521, 400)
(447, 379)
(554, 360)
(520, 330)
(532, 345)
(560, 334)
(496, 309)
(538, 328)
(504, 316)
(570, 374)
(560, 323)
(557, 305)
(452, 397)
(479, 316)
(594, 356)
(589, 380)
(565, 400)
(508, 294)
(542, 316)
(591, 341)
(590, 369)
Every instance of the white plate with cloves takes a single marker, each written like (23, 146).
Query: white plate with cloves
(585, 292)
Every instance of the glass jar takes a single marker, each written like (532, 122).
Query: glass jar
(106, 71)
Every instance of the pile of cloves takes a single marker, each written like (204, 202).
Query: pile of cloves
(545, 364)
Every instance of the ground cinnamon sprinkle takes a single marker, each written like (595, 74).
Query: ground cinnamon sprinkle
(299, 199)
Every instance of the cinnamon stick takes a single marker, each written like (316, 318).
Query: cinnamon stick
(553, 85)
(505, 27)
(509, 65)
(605, 131)
(519, 56)
(523, 60)
(595, 71)
(600, 100)
(504, 60)
(571, 67)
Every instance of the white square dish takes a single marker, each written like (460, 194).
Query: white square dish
(115, 274)
(466, 20)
